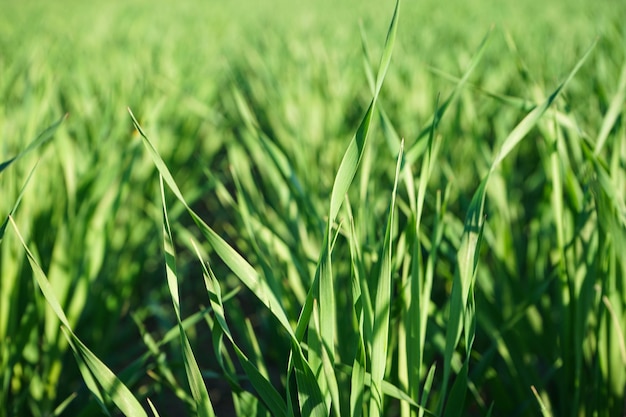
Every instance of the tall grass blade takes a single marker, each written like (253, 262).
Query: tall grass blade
(267, 393)
(614, 111)
(382, 305)
(4, 225)
(352, 157)
(204, 408)
(40, 140)
(522, 129)
(244, 271)
(544, 410)
(105, 378)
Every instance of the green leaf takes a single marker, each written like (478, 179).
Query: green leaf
(382, 305)
(103, 376)
(199, 391)
(40, 140)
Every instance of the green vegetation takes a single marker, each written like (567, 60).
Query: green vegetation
(312, 209)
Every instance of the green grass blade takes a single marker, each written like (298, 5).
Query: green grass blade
(267, 393)
(111, 385)
(382, 305)
(614, 111)
(456, 400)
(40, 140)
(121, 396)
(428, 384)
(309, 394)
(522, 129)
(199, 391)
(357, 382)
(155, 413)
(4, 225)
(352, 157)
(385, 59)
(244, 271)
(544, 410)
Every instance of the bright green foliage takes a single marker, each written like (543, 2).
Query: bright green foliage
(312, 209)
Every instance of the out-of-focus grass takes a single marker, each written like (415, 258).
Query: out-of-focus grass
(251, 108)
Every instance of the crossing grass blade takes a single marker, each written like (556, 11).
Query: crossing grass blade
(40, 140)
(204, 408)
(4, 225)
(354, 152)
(362, 316)
(324, 275)
(267, 393)
(101, 380)
(244, 271)
(613, 112)
(382, 305)
(248, 276)
(522, 129)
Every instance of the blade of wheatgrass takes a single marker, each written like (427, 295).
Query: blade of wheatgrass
(267, 393)
(61, 407)
(309, 395)
(614, 111)
(318, 357)
(361, 302)
(416, 149)
(349, 164)
(105, 378)
(155, 413)
(4, 225)
(345, 175)
(350, 161)
(544, 410)
(456, 400)
(326, 325)
(357, 381)
(40, 140)
(428, 384)
(382, 305)
(520, 131)
(9, 285)
(204, 408)
(242, 269)
(417, 292)
(87, 375)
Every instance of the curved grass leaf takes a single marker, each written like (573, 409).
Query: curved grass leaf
(4, 225)
(382, 305)
(612, 114)
(41, 139)
(267, 393)
(199, 391)
(100, 379)
(244, 271)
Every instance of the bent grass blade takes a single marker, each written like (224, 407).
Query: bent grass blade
(99, 378)
(199, 391)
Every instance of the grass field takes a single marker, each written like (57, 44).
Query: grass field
(330, 208)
